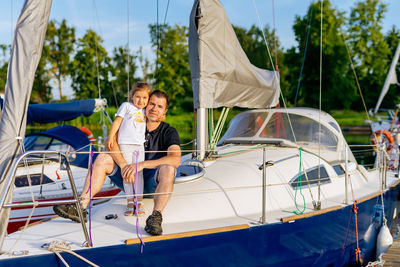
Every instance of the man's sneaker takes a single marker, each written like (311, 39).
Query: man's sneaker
(153, 223)
(69, 211)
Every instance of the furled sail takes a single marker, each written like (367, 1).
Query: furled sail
(222, 75)
(27, 47)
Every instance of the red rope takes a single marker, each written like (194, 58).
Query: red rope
(358, 251)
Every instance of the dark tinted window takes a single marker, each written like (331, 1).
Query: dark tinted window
(36, 179)
(312, 175)
(338, 169)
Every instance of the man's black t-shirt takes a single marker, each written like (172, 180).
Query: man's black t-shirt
(160, 140)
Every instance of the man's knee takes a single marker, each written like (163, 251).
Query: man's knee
(166, 173)
(104, 162)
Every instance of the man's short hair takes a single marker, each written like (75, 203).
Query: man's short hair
(161, 94)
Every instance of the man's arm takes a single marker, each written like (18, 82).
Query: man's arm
(172, 158)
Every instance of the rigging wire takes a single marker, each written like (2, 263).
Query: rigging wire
(95, 42)
(275, 72)
(320, 101)
(127, 49)
(158, 47)
(276, 50)
(304, 55)
(12, 23)
(166, 12)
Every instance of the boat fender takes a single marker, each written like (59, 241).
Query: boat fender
(384, 240)
(397, 139)
(88, 133)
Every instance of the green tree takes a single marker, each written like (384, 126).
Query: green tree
(337, 90)
(172, 72)
(60, 39)
(253, 44)
(91, 68)
(41, 90)
(3, 66)
(120, 83)
(371, 52)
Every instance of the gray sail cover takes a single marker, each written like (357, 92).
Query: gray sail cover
(27, 47)
(222, 75)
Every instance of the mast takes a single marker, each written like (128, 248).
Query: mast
(390, 78)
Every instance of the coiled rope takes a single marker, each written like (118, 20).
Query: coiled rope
(61, 246)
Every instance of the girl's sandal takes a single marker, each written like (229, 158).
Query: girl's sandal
(140, 210)
(130, 210)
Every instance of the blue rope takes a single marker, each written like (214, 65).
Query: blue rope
(305, 52)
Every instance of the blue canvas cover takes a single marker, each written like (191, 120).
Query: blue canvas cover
(70, 135)
(47, 113)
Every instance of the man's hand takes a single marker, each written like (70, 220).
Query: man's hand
(128, 172)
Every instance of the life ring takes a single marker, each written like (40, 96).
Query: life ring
(88, 133)
(385, 135)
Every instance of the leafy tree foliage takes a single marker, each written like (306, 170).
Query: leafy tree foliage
(370, 51)
(172, 73)
(91, 68)
(41, 90)
(60, 41)
(337, 91)
(3, 66)
(120, 84)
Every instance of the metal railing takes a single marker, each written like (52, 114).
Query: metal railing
(11, 179)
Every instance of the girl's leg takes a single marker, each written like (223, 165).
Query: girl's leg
(127, 151)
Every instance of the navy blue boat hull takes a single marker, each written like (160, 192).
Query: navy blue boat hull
(323, 240)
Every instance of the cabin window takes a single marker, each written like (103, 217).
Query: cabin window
(338, 169)
(36, 179)
(246, 124)
(308, 131)
(312, 176)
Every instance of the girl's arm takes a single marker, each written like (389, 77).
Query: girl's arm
(114, 129)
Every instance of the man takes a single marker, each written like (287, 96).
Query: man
(158, 167)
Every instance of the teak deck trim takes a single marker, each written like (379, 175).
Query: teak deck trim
(310, 214)
(188, 234)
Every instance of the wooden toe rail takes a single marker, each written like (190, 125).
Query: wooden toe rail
(187, 234)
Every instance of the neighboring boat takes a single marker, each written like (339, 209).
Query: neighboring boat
(48, 177)
(282, 187)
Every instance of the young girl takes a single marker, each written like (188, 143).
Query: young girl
(130, 123)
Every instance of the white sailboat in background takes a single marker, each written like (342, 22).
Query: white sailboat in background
(281, 188)
(391, 121)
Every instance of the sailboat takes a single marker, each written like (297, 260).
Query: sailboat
(389, 122)
(281, 188)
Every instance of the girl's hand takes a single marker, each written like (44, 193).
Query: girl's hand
(110, 144)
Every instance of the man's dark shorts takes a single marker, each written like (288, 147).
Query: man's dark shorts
(149, 179)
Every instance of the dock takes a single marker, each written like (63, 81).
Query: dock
(392, 256)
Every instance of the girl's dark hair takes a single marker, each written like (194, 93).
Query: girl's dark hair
(139, 86)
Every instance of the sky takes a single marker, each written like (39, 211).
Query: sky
(122, 22)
